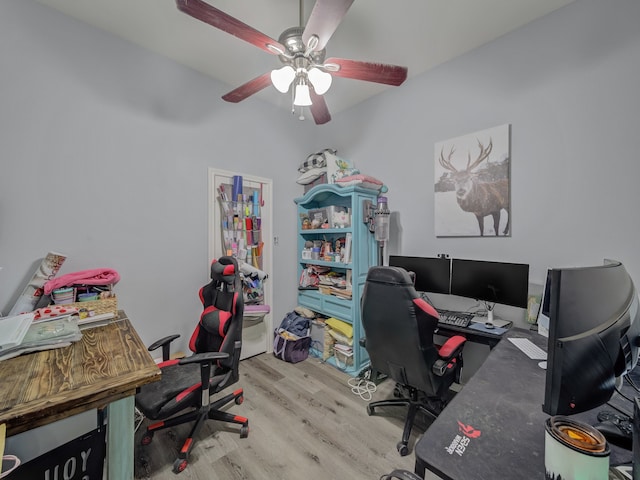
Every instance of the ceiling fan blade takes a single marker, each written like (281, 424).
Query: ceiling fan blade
(324, 19)
(319, 108)
(217, 18)
(370, 72)
(248, 89)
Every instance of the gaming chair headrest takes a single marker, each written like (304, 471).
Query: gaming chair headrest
(389, 275)
(224, 270)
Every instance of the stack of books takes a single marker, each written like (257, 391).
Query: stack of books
(21, 334)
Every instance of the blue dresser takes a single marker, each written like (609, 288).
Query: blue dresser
(321, 220)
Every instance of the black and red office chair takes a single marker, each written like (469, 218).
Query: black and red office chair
(399, 326)
(190, 382)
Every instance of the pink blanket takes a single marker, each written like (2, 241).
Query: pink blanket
(96, 276)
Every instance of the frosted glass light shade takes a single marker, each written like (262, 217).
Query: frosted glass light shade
(282, 78)
(320, 80)
(302, 98)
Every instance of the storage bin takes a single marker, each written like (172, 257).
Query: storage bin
(98, 307)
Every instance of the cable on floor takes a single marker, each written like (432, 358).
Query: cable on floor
(363, 386)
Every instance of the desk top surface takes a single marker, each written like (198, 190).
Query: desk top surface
(108, 364)
(492, 435)
(494, 428)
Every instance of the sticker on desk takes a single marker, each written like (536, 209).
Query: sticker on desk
(463, 439)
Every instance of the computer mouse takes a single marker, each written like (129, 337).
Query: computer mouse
(489, 325)
(621, 437)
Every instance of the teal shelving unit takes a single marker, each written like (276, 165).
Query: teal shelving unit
(363, 255)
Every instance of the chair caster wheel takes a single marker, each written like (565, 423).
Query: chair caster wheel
(403, 450)
(146, 438)
(239, 400)
(179, 465)
(244, 431)
(369, 410)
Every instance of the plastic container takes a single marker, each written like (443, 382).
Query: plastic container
(62, 296)
(87, 297)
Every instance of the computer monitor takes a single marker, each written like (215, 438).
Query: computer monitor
(492, 282)
(543, 313)
(432, 274)
(594, 332)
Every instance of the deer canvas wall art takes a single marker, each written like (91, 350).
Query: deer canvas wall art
(473, 184)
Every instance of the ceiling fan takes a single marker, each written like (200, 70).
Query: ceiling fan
(302, 53)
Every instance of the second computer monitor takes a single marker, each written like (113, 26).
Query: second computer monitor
(494, 282)
(432, 274)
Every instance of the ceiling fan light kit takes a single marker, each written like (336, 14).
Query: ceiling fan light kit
(302, 51)
(282, 78)
(302, 97)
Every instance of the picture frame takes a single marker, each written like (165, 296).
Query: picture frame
(472, 188)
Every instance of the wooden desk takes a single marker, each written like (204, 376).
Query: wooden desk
(102, 369)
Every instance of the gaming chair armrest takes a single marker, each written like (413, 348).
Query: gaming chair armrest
(452, 347)
(207, 357)
(165, 343)
(205, 360)
(449, 354)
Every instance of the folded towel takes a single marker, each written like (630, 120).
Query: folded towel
(96, 276)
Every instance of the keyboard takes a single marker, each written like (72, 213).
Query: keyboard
(529, 348)
(457, 319)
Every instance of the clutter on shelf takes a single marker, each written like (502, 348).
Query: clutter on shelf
(80, 300)
(252, 283)
(338, 342)
(89, 291)
(327, 167)
(241, 221)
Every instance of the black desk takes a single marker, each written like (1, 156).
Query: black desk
(494, 428)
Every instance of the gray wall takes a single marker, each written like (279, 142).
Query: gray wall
(104, 150)
(105, 147)
(568, 85)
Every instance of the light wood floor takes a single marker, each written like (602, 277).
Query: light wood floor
(304, 421)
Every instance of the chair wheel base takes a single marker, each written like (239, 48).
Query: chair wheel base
(146, 438)
(403, 450)
(179, 465)
(244, 431)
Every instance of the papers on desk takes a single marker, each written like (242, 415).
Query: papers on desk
(45, 335)
(13, 329)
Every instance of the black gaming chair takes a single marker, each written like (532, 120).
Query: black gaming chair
(399, 327)
(188, 383)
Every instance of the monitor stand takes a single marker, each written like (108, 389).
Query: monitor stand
(490, 317)
(493, 320)
(496, 322)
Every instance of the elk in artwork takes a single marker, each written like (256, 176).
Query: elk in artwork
(478, 194)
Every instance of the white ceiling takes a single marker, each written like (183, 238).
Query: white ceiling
(418, 34)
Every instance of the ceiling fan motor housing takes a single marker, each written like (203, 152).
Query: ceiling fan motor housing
(291, 39)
